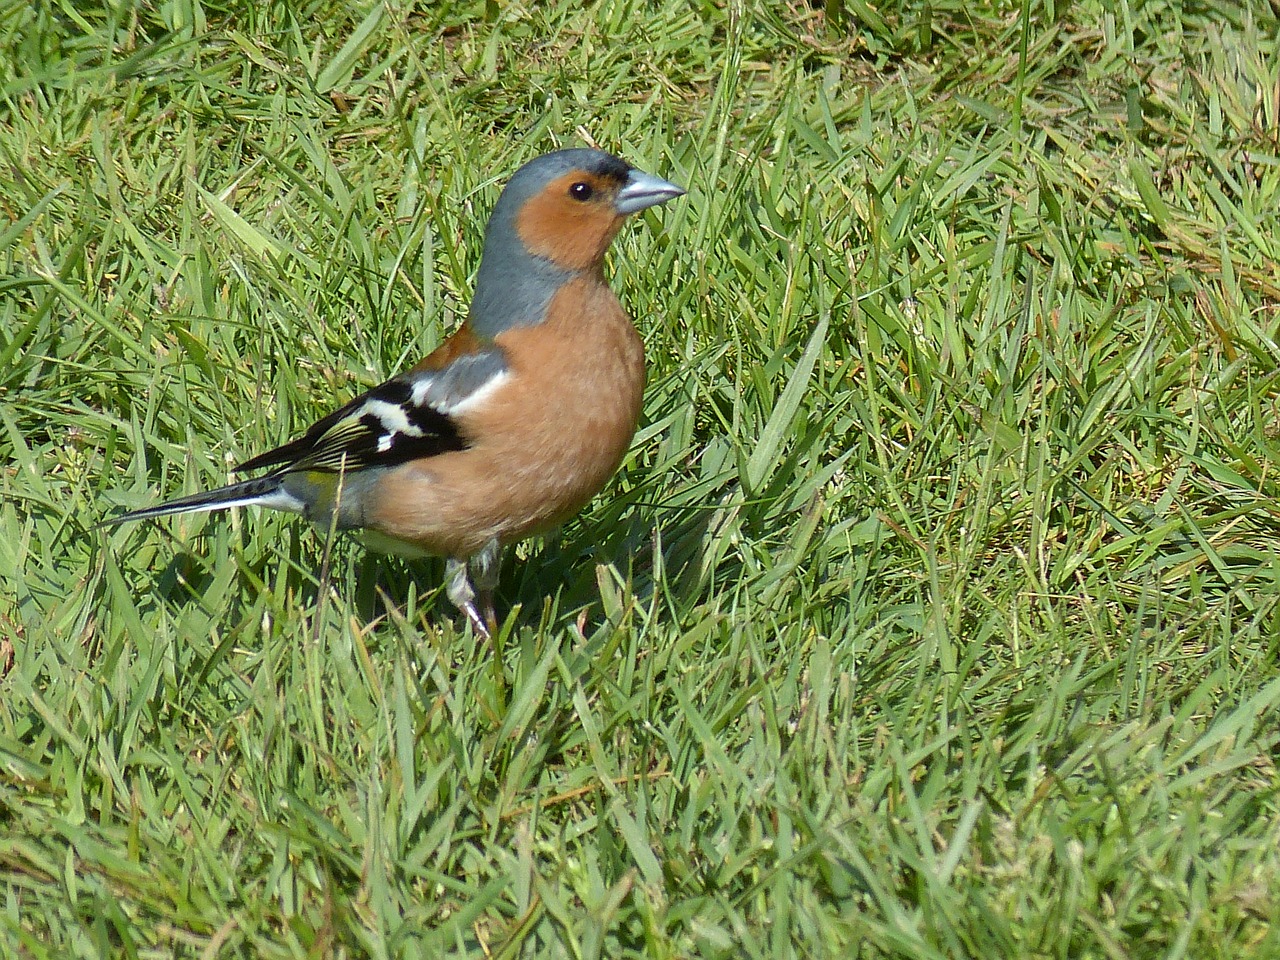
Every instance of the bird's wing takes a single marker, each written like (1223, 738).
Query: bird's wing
(410, 416)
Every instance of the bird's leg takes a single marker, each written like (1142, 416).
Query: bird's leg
(484, 568)
(462, 595)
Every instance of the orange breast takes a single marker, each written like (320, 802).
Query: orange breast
(542, 445)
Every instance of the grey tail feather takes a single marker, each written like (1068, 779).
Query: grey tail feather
(264, 491)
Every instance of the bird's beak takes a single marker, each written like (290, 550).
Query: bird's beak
(643, 190)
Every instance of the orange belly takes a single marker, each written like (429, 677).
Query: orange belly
(542, 445)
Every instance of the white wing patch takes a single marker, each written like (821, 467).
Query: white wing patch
(478, 397)
(453, 406)
(394, 419)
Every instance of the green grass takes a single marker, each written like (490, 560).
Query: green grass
(936, 612)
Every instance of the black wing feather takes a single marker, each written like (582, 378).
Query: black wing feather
(348, 439)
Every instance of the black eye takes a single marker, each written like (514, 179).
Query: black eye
(581, 191)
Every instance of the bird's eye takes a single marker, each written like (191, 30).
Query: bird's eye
(581, 191)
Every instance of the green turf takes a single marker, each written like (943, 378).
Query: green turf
(936, 612)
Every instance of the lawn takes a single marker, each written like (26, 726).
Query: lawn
(935, 612)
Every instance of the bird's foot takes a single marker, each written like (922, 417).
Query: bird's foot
(469, 585)
(481, 624)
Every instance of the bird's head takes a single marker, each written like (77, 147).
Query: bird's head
(554, 221)
(567, 206)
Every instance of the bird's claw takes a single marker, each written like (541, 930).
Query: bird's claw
(480, 624)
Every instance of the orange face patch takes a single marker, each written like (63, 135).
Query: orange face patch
(570, 232)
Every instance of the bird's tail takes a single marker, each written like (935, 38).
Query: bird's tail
(265, 491)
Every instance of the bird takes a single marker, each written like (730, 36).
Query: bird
(512, 424)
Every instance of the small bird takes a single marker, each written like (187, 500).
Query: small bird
(508, 427)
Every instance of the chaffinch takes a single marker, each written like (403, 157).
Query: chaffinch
(512, 424)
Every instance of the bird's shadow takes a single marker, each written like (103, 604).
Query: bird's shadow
(555, 577)
(658, 555)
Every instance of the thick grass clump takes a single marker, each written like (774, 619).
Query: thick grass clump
(936, 612)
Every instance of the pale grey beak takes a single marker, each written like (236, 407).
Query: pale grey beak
(643, 190)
